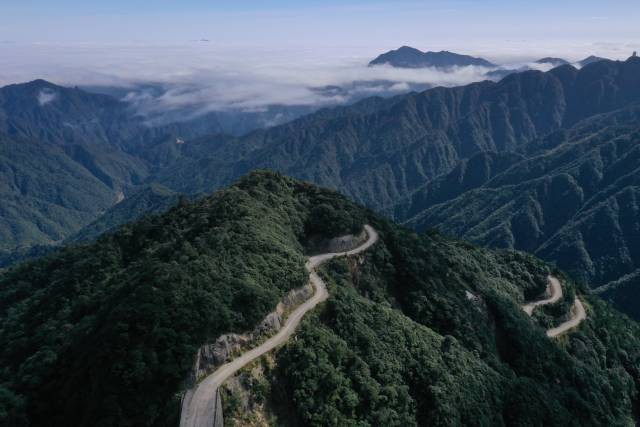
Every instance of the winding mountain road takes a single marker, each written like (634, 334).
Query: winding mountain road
(553, 288)
(578, 313)
(199, 404)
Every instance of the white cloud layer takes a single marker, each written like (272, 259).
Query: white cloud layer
(201, 76)
(46, 96)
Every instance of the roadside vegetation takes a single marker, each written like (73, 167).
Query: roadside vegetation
(106, 334)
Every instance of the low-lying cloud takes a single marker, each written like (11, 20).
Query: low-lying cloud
(197, 78)
(45, 96)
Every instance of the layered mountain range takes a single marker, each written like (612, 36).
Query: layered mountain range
(419, 330)
(418, 157)
(573, 200)
(445, 61)
(148, 245)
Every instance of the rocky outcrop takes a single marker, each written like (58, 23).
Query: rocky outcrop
(211, 356)
(294, 298)
(319, 244)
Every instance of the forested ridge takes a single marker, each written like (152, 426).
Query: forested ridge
(573, 202)
(106, 334)
(420, 330)
(377, 151)
(429, 331)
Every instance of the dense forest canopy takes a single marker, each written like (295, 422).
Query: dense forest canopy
(421, 330)
(105, 334)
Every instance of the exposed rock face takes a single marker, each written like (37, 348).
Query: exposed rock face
(211, 356)
(295, 297)
(337, 244)
(272, 323)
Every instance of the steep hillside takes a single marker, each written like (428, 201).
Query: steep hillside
(106, 334)
(623, 293)
(148, 200)
(575, 203)
(419, 331)
(67, 155)
(42, 111)
(469, 174)
(49, 113)
(425, 331)
(45, 194)
(379, 151)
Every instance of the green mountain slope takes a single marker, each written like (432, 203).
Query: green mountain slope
(575, 204)
(148, 200)
(420, 331)
(425, 331)
(66, 156)
(64, 160)
(45, 194)
(380, 151)
(623, 293)
(106, 334)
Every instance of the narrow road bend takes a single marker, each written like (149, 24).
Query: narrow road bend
(578, 313)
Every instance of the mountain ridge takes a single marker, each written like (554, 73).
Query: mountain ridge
(572, 204)
(416, 327)
(411, 139)
(409, 57)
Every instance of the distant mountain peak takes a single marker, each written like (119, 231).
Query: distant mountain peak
(39, 82)
(408, 48)
(33, 86)
(410, 57)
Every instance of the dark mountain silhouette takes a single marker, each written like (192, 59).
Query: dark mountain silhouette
(408, 57)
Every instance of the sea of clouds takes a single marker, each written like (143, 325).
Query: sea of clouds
(200, 76)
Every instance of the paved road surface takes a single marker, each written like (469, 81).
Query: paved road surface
(198, 405)
(553, 288)
(578, 313)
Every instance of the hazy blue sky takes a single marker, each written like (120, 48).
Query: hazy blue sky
(319, 23)
(262, 52)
